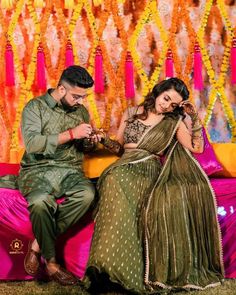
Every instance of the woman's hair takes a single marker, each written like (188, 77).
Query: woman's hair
(76, 76)
(165, 85)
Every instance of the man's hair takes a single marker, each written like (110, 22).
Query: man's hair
(76, 76)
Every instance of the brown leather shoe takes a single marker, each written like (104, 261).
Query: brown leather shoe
(63, 277)
(32, 261)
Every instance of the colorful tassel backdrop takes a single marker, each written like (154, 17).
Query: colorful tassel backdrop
(97, 34)
(169, 64)
(41, 75)
(99, 75)
(69, 54)
(129, 77)
(233, 61)
(197, 68)
(9, 62)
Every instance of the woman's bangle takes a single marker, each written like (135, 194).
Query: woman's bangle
(104, 135)
(194, 117)
(197, 128)
(197, 136)
(71, 134)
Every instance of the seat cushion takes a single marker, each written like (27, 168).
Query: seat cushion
(225, 190)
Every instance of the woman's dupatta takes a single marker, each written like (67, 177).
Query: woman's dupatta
(182, 239)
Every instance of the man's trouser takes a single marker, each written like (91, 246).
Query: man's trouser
(50, 219)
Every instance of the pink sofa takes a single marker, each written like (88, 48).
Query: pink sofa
(73, 247)
(16, 232)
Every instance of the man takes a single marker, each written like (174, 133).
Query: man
(56, 131)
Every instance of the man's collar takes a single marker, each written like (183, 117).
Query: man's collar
(52, 103)
(50, 100)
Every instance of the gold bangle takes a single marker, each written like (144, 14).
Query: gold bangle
(103, 133)
(197, 128)
(194, 117)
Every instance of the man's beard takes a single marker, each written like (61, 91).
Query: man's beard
(66, 105)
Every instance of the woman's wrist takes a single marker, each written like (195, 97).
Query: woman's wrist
(102, 135)
(196, 123)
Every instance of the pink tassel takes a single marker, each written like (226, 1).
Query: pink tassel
(10, 73)
(129, 77)
(169, 64)
(197, 68)
(69, 54)
(41, 77)
(99, 76)
(233, 62)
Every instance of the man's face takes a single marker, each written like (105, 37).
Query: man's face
(73, 96)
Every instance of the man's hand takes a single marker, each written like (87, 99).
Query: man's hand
(82, 131)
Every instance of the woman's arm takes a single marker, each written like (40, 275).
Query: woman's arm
(116, 146)
(121, 129)
(194, 140)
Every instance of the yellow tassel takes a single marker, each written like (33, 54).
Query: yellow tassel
(69, 4)
(97, 2)
(38, 3)
(121, 1)
(7, 4)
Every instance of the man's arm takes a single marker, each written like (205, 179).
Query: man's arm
(31, 127)
(37, 143)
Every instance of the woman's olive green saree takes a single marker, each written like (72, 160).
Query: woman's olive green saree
(156, 226)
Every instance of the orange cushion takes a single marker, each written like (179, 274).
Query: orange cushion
(226, 154)
(95, 163)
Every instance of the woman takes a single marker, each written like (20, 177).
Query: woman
(156, 226)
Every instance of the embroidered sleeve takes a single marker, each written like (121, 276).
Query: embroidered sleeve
(113, 146)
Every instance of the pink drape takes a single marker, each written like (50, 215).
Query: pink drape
(73, 247)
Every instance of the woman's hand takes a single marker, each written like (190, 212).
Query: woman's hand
(189, 108)
(97, 135)
(82, 131)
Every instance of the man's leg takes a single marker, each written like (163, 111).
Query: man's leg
(42, 208)
(78, 200)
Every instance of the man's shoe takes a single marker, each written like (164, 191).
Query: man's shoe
(32, 261)
(63, 277)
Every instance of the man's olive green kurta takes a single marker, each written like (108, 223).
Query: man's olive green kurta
(49, 171)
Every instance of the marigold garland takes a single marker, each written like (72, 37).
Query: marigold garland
(76, 13)
(72, 24)
(120, 89)
(164, 38)
(172, 39)
(218, 86)
(223, 70)
(111, 92)
(192, 39)
(25, 84)
(132, 48)
(3, 106)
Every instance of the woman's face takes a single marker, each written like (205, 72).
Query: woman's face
(167, 101)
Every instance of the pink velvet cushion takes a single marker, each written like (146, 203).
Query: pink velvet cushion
(207, 159)
(6, 168)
